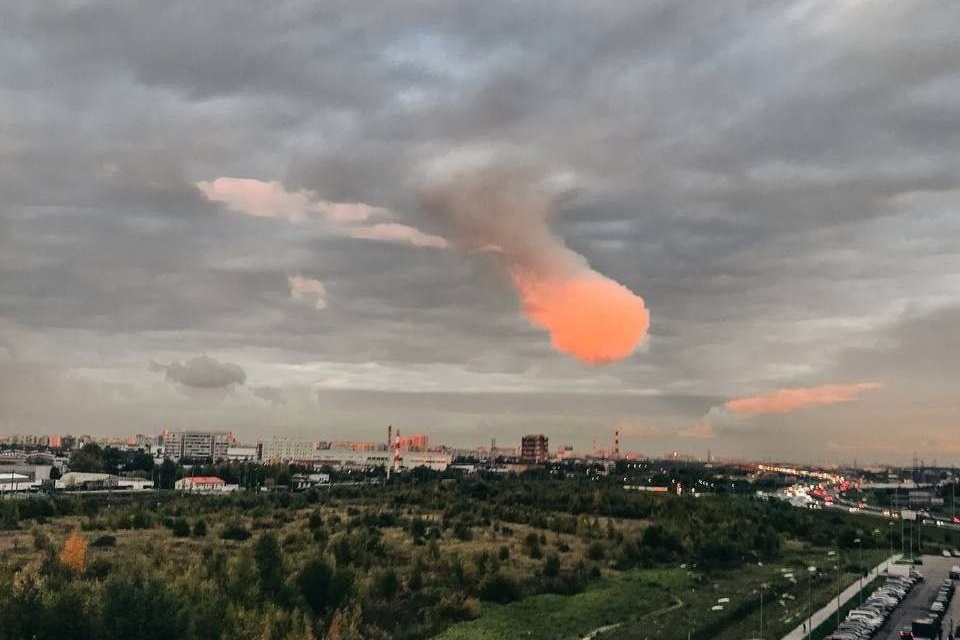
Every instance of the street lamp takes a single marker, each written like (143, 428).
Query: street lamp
(810, 571)
(860, 566)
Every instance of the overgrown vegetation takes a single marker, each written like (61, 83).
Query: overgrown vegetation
(406, 560)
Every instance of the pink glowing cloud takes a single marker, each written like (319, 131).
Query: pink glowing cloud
(308, 290)
(272, 200)
(393, 232)
(789, 400)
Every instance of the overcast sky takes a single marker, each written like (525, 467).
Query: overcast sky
(211, 215)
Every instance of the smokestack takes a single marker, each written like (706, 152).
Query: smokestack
(396, 453)
(389, 440)
(616, 445)
(504, 213)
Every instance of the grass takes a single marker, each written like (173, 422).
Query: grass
(669, 603)
(625, 597)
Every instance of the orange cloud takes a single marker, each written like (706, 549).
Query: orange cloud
(788, 400)
(588, 315)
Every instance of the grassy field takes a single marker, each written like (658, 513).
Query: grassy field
(667, 604)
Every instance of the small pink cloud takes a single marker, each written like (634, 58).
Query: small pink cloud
(272, 200)
(789, 400)
(258, 198)
(393, 232)
(308, 290)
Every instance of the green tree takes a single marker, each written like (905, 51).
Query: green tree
(138, 604)
(323, 588)
(269, 561)
(89, 459)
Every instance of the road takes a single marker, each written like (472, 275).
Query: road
(917, 602)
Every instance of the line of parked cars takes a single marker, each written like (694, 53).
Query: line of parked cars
(864, 621)
(929, 626)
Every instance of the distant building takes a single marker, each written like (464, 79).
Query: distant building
(196, 445)
(243, 454)
(284, 450)
(351, 458)
(205, 484)
(87, 481)
(416, 442)
(534, 448)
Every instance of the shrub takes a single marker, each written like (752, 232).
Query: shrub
(235, 530)
(104, 541)
(595, 551)
(180, 528)
(200, 529)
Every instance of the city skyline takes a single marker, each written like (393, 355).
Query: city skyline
(358, 217)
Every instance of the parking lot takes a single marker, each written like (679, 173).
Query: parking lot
(917, 602)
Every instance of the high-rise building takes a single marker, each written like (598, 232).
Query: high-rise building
(284, 449)
(534, 448)
(196, 445)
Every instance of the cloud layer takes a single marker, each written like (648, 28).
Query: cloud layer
(780, 182)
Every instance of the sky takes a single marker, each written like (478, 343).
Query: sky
(318, 219)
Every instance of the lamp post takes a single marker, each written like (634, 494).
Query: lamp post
(761, 611)
(838, 585)
(810, 571)
(860, 566)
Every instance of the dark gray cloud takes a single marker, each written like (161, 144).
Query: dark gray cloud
(779, 181)
(202, 372)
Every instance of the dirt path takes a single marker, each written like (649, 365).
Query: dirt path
(610, 627)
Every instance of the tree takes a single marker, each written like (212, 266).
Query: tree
(138, 604)
(112, 459)
(140, 461)
(323, 587)
(168, 474)
(89, 459)
(74, 554)
(269, 561)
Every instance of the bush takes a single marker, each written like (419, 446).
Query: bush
(200, 529)
(235, 530)
(104, 541)
(500, 589)
(180, 528)
(595, 551)
(551, 566)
